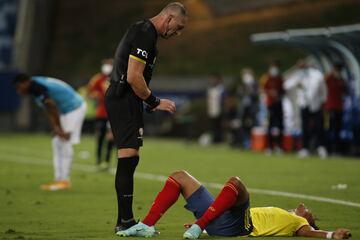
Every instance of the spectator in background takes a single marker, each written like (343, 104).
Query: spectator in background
(272, 83)
(215, 106)
(249, 104)
(334, 107)
(312, 96)
(232, 116)
(96, 89)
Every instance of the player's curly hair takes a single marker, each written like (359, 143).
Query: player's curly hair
(312, 224)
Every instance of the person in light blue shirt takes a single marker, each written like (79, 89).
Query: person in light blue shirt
(64, 96)
(65, 110)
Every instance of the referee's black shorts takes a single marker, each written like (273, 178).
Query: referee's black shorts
(125, 114)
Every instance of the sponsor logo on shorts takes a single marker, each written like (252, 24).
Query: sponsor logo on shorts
(141, 133)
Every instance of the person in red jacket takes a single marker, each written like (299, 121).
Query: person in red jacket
(96, 89)
(273, 90)
(334, 106)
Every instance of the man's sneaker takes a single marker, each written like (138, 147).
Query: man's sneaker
(138, 230)
(268, 152)
(193, 232)
(303, 153)
(322, 152)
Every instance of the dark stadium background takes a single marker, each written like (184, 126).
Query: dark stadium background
(67, 39)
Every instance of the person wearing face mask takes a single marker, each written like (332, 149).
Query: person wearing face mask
(247, 92)
(336, 89)
(215, 107)
(96, 90)
(134, 61)
(273, 90)
(312, 96)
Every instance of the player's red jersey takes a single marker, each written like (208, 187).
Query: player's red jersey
(97, 87)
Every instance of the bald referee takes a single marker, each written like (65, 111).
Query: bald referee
(129, 87)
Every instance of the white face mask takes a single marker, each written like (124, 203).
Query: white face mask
(248, 79)
(274, 71)
(106, 68)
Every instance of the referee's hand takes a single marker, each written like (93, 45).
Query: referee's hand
(166, 105)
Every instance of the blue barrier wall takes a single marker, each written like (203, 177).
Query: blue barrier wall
(9, 100)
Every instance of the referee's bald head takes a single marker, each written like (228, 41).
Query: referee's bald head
(175, 8)
(171, 20)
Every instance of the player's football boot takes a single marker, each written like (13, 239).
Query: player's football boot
(48, 186)
(63, 185)
(138, 230)
(54, 186)
(193, 232)
(124, 226)
(119, 228)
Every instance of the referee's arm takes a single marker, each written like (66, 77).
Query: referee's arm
(136, 79)
(137, 82)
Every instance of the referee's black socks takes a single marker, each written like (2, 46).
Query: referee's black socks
(124, 184)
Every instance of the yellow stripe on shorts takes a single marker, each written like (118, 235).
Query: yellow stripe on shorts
(138, 59)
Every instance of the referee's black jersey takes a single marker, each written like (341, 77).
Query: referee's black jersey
(139, 43)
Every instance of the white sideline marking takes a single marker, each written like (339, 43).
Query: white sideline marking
(161, 178)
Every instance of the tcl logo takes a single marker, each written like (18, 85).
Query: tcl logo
(142, 52)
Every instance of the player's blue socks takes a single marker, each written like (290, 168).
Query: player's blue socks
(193, 232)
(138, 230)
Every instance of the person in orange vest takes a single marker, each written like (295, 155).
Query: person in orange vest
(97, 87)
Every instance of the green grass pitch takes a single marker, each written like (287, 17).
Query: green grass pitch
(88, 210)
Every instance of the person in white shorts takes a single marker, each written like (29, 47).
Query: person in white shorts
(65, 110)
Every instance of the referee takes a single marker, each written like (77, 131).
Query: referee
(129, 87)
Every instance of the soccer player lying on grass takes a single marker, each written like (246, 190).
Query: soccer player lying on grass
(229, 214)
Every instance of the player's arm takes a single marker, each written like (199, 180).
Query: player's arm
(308, 231)
(137, 82)
(53, 115)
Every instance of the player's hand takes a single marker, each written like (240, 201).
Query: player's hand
(63, 135)
(166, 105)
(341, 233)
(66, 136)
